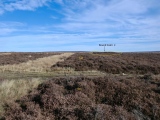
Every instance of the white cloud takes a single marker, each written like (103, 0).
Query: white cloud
(6, 31)
(8, 28)
(9, 5)
(127, 23)
(58, 42)
(116, 16)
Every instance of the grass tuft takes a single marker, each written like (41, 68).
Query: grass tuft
(11, 90)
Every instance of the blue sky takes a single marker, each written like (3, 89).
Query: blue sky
(79, 25)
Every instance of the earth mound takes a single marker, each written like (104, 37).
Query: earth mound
(84, 98)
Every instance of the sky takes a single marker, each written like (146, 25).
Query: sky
(79, 25)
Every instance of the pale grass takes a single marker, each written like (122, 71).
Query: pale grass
(7, 53)
(11, 90)
(71, 71)
(39, 65)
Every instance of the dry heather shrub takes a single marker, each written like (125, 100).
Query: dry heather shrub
(116, 64)
(39, 65)
(11, 90)
(100, 98)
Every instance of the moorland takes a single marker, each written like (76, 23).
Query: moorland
(79, 86)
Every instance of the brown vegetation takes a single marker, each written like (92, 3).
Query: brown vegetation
(128, 90)
(16, 58)
(17, 79)
(38, 65)
(139, 63)
(103, 98)
(11, 90)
